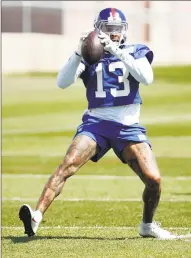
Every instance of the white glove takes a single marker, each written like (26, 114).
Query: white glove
(82, 38)
(109, 45)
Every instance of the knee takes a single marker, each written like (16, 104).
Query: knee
(157, 180)
(154, 183)
(70, 165)
(152, 189)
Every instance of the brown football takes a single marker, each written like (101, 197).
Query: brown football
(92, 50)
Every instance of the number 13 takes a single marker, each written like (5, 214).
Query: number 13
(100, 93)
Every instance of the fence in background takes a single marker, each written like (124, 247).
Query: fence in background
(41, 35)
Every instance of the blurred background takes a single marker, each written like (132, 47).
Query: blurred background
(41, 35)
(39, 121)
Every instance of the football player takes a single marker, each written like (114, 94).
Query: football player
(110, 121)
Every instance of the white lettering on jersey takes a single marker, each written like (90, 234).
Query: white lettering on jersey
(100, 93)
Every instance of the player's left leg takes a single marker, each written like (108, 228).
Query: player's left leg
(141, 159)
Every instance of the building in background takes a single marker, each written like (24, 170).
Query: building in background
(41, 35)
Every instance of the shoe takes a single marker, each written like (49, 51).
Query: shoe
(27, 215)
(154, 230)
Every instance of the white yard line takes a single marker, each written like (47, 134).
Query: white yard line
(23, 199)
(150, 120)
(32, 153)
(163, 119)
(89, 177)
(90, 227)
(61, 153)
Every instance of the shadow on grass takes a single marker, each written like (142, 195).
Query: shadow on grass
(25, 239)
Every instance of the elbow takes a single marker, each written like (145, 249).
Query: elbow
(60, 84)
(63, 82)
(148, 80)
(60, 81)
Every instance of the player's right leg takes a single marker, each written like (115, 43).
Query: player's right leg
(80, 151)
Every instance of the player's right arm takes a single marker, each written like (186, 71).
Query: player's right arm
(70, 71)
(73, 68)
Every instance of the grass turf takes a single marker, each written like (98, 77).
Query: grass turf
(38, 123)
(90, 243)
(107, 166)
(95, 187)
(84, 241)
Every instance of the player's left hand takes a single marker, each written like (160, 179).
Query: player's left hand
(109, 45)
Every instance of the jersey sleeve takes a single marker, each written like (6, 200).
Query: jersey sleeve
(143, 51)
(84, 72)
(81, 68)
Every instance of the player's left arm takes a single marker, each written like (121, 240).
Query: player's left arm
(139, 68)
(138, 64)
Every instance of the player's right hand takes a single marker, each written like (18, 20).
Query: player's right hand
(82, 38)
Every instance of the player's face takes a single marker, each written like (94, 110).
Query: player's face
(113, 30)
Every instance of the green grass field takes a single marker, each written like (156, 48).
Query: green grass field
(99, 210)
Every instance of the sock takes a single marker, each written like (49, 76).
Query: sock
(147, 224)
(37, 215)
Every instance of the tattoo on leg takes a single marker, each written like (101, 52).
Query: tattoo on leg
(151, 199)
(82, 148)
(134, 165)
(145, 166)
(50, 190)
(151, 194)
(79, 152)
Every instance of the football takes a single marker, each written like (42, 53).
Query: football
(92, 50)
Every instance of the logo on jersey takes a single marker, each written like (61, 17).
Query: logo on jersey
(34, 220)
(142, 137)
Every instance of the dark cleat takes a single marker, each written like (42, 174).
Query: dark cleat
(25, 214)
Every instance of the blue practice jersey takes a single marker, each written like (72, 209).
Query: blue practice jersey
(108, 83)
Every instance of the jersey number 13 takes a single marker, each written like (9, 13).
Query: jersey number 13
(100, 93)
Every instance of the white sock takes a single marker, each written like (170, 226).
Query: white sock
(148, 224)
(37, 215)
